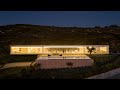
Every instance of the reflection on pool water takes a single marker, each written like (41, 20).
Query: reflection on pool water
(64, 57)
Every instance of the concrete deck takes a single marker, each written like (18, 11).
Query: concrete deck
(52, 62)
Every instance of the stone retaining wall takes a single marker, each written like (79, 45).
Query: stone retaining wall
(106, 75)
(62, 63)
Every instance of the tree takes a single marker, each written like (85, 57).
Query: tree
(2, 65)
(35, 66)
(90, 49)
(114, 26)
(97, 27)
(105, 26)
(69, 64)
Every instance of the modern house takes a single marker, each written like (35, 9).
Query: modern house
(57, 56)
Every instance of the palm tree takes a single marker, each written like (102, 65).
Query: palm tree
(90, 49)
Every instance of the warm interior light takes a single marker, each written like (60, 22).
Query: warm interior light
(90, 47)
(57, 49)
(103, 49)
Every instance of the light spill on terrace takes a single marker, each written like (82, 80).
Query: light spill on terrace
(63, 57)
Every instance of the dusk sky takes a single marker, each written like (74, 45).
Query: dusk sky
(61, 18)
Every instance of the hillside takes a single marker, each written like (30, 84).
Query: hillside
(24, 34)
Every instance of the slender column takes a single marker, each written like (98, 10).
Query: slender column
(84, 49)
(42, 49)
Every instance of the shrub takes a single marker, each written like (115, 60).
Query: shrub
(69, 64)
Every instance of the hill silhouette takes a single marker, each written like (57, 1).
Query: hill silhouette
(26, 34)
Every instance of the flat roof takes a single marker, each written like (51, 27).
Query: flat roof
(55, 46)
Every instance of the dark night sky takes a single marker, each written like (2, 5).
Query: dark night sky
(61, 18)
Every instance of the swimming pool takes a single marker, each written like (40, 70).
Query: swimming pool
(63, 57)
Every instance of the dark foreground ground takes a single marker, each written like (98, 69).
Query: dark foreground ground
(115, 77)
(102, 63)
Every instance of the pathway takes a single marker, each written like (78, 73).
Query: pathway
(16, 64)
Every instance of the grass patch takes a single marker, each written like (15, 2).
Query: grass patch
(17, 58)
(103, 59)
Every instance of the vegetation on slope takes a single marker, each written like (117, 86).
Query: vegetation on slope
(31, 34)
(25, 34)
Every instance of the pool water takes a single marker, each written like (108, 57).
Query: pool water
(64, 57)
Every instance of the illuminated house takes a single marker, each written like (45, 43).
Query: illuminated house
(57, 49)
(57, 56)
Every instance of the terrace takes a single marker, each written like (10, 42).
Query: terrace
(51, 62)
(63, 57)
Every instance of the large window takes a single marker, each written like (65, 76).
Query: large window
(34, 50)
(15, 50)
(103, 49)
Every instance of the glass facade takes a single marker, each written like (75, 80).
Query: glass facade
(68, 49)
